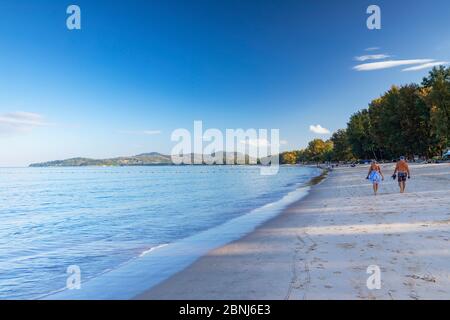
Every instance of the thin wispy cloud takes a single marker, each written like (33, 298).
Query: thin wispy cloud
(151, 132)
(141, 132)
(427, 66)
(372, 57)
(318, 129)
(372, 49)
(390, 64)
(20, 122)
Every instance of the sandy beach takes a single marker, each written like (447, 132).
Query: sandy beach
(321, 247)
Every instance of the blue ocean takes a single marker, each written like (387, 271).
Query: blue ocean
(127, 228)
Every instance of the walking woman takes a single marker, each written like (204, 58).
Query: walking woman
(375, 176)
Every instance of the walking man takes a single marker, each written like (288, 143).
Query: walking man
(402, 171)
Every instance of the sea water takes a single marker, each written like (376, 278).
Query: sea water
(127, 228)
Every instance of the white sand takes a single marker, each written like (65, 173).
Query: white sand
(321, 247)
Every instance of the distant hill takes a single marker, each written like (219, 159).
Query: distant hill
(144, 159)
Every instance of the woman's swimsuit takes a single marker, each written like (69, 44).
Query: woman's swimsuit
(375, 176)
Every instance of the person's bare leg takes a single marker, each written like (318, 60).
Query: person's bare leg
(402, 187)
(375, 188)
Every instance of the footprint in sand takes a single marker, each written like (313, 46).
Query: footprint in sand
(426, 278)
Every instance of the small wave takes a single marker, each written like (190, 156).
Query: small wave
(146, 252)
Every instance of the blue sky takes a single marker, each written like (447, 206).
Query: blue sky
(137, 70)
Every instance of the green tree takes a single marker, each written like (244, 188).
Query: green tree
(399, 122)
(302, 156)
(385, 124)
(414, 119)
(359, 135)
(342, 150)
(319, 150)
(438, 101)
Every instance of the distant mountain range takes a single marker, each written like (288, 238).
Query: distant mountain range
(144, 159)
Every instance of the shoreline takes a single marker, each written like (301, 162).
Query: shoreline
(148, 270)
(321, 246)
(149, 294)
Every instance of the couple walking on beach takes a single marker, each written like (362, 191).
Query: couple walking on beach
(401, 172)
